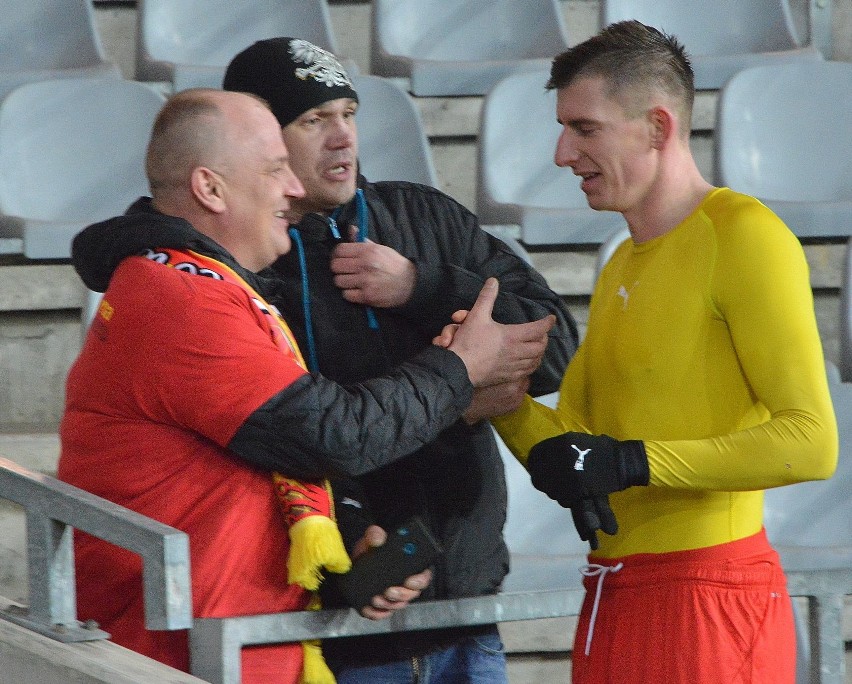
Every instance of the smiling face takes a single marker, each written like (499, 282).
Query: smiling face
(610, 148)
(258, 186)
(323, 145)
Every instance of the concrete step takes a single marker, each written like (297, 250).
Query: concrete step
(30, 658)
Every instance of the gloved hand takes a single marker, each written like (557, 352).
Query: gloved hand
(574, 467)
(591, 515)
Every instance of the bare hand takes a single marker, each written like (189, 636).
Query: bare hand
(372, 274)
(496, 400)
(393, 598)
(494, 352)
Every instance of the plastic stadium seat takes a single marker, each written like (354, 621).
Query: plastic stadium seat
(784, 135)
(392, 142)
(71, 153)
(518, 182)
(90, 308)
(817, 513)
(463, 47)
(721, 37)
(46, 39)
(189, 43)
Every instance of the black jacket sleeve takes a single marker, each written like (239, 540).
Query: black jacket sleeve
(454, 257)
(317, 428)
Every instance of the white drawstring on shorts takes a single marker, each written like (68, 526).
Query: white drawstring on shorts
(599, 571)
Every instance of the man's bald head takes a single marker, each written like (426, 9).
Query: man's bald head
(217, 159)
(194, 128)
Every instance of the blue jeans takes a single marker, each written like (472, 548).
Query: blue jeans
(474, 660)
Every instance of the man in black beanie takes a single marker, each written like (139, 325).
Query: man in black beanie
(376, 271)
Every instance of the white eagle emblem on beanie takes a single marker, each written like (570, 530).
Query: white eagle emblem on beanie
(323, 66)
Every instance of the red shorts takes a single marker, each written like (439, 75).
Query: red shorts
(715, 615)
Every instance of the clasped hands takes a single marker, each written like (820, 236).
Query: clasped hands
(499, 357)
(580, 471)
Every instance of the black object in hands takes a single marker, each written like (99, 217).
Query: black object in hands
(410, 548)
(591, 515)
(575, 466)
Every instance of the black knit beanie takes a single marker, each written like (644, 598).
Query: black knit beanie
(292, 75)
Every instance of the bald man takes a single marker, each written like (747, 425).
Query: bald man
(190, 390)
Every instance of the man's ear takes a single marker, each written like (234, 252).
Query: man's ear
(663, 126)
(207, 188)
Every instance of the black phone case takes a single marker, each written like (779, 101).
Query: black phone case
(409, 549)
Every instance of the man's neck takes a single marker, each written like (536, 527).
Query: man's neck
(676, 194)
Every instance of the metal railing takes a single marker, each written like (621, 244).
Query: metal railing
(823, 575)
(224, 637)
(53, 509)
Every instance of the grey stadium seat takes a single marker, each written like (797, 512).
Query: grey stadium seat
(71, 153)
(784, 135)
(46, 39)
(391, 140)
(189, 43)
(721, 37)
(607, 249)
(462, 47)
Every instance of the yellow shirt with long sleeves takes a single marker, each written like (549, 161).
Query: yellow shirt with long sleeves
(702, 343)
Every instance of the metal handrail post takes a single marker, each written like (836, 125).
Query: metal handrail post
(53, 508)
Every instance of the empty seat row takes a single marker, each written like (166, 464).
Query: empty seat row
(782, 134)
(459, 47)
(183, 42)
(440, 47)
(801, 173)
(72, 152)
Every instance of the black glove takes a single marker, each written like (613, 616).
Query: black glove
(574, 467)
(591, 515)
